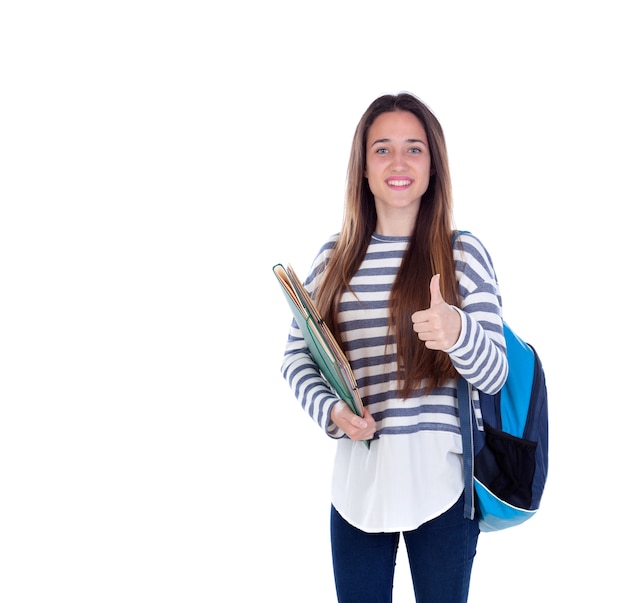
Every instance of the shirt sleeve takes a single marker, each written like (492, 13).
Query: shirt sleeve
(479, 354)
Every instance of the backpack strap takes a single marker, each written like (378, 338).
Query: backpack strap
(456, 233)
(467, 438)
(466, 412)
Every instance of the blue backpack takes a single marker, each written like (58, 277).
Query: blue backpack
(505, 455)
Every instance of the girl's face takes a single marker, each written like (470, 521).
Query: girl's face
(397, 163)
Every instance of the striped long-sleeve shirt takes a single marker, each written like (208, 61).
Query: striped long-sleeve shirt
(412, 471)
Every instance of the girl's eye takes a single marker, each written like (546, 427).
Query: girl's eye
(415, 150)
(381, 151)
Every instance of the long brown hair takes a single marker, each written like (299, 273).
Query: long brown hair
(429, 251)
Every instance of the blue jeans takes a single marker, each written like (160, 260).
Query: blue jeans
(441, 553)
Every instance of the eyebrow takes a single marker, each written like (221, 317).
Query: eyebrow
(409, 140)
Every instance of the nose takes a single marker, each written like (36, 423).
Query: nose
(398, 162)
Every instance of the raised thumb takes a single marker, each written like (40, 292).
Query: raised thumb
(435, 291)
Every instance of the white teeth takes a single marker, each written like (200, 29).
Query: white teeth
(399, 182)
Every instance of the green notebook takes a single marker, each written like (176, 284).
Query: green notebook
(323, 346)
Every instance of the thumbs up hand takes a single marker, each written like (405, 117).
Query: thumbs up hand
(439, 326)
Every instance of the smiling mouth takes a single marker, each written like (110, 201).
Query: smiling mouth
(402, 182)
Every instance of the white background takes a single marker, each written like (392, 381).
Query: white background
(157, 158)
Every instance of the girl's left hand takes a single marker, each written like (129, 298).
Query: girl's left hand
(438, 327)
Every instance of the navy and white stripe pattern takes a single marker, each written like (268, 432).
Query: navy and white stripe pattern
(479, 355)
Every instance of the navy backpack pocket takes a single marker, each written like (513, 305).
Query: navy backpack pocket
(506, 465)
